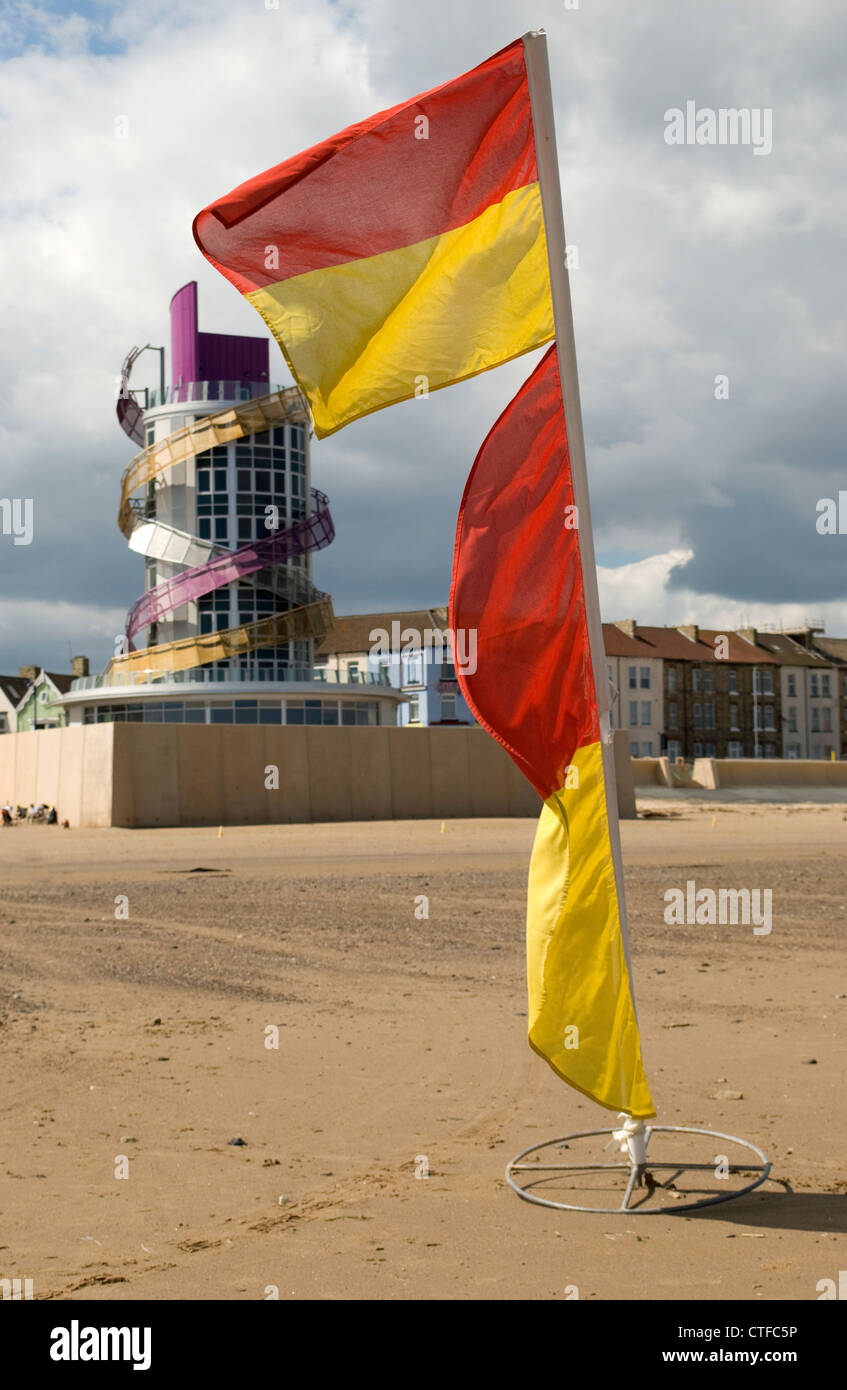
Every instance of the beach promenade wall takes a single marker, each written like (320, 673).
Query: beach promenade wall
(769, 772)
(182, 774)
(714, 773)
(70, 769)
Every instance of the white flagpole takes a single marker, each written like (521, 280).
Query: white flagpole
(541, 100)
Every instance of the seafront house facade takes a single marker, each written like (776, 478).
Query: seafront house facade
(680, 692)
(835, 648)
(810, 686)
(12, 691)
(411, 651)
(40, 705)
(718, 693)
(635, 674)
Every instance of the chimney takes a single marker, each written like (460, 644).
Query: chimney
(691, 631)
(628, 626)
(749, 634)
(28, 673)
(79, 666)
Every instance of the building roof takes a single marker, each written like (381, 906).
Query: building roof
(672, 645)
(351, 634)
(14, 688)
(741, 651)
(59, 679)
(835, 647)
(618, 643)
(787, 652)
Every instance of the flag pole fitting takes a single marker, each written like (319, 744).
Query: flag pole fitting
(631, 1140)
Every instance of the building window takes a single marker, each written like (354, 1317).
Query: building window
(827, 720)
(647, 750)
(414, 669)
(414, 709)
(4, 724)
(213, 610)
(698, 714)
(671, 680)
(633, 750)
(673, 716)
(633, 678)
(698, 750)
(770, 726)
(792, 685)
(448, 706)
(735, 749)
(816, 720)
(327, 712)
(815, 685)
(733, 681)
(757, 684)
(645, 711)
(353, 672)
(709, 714)
(711, 750)
(633, 712)
(696, 678)
(770, 750)
(674, 749)
(825, 686)
(794, 751)
(792, 719)
(645, 677)
(733, 716)
(767, 682)
(708, 680)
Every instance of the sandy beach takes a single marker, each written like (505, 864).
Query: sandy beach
(143, 1043)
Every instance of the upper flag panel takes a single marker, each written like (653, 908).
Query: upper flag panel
(404, 253)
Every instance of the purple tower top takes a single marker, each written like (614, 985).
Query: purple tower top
(199, 356)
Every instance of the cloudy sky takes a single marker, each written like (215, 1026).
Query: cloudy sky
(695, 262)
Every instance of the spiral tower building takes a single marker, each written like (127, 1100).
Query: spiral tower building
(219, 503)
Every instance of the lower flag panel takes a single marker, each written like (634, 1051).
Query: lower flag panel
(581, 1014)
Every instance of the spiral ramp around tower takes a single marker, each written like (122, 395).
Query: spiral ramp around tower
(206, 567)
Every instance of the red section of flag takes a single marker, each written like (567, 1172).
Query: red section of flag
(517, 580)
(377, 186)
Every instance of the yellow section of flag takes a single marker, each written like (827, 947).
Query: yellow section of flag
(381, 329)
(581, 1013)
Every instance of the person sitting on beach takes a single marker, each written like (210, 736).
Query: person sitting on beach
(52, 818)
(7, 815)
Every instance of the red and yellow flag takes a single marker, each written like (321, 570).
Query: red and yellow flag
(518, 582)
(401, 255)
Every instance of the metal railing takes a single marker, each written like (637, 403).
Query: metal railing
(202, 676)
(209, 391)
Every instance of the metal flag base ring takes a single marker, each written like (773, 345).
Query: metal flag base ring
(640, 1173)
